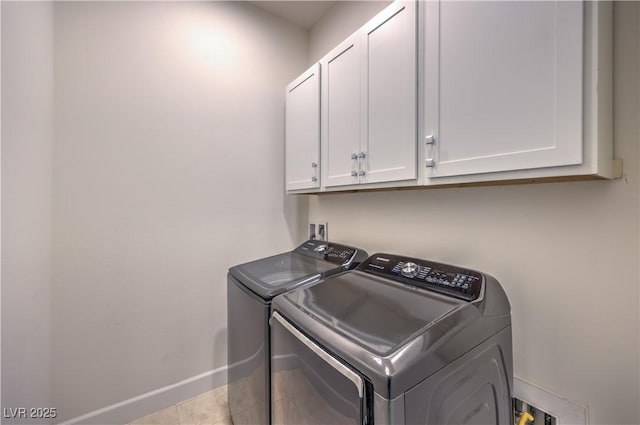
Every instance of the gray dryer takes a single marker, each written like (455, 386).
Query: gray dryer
(396, 341)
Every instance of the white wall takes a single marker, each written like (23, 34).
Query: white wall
(566, 253)
(27, 90)
(168, 169)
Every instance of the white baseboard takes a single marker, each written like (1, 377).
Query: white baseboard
(134, 408)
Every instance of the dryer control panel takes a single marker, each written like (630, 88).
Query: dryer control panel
(443, 278)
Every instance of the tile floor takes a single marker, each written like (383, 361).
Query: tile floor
(209, 408)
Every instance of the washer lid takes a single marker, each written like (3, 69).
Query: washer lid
(308, 263)
(271, 276)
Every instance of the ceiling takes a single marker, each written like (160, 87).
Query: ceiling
(302, 13)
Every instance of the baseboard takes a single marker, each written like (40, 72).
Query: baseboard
(134, 408)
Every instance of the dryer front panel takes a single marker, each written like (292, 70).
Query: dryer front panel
(309, 385)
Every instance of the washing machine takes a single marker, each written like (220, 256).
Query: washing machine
(250, 289)
(395, 341)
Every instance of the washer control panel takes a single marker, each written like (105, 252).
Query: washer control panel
(409, 269)
(443, 278)
(327, 251)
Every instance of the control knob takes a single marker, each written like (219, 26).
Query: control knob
(321, 248)
(409, 269)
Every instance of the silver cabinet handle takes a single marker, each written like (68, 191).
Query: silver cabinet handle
(314, 179)
(314, 165)
(430, 141)
(354, 173)
(354, 156)
(362, 173)
(344, 371)
(362, 155)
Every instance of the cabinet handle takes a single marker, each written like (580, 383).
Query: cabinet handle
(314, 165)
(362, 173)
(354, 173)
(354, 156)
(430, 141)
(314, 179)
(361, 155)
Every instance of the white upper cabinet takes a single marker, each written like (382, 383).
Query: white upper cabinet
(302, 131)
(390, 94)
(369, 105)
(341, 111)
(480, 91)
(504, 87)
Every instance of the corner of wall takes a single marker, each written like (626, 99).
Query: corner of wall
(26, 221)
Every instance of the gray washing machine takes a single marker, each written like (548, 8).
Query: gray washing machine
(396, 341)
(250, 288)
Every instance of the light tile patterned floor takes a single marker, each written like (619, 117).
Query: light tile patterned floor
(209, 408)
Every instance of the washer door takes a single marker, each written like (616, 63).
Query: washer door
(274, 275)
(309, 386)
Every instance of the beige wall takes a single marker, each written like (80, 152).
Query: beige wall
(566, 253)
(27, 101)
(168, 169)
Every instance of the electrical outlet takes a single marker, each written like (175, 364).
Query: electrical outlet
(318, 231)
(322, 231)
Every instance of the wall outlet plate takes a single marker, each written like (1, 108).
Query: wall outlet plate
(318, 231)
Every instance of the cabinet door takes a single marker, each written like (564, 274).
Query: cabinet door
(389, 78)
(341, 111)
(503, 85)
(302, 128)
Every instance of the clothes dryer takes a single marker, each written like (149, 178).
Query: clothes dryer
(396, 341)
